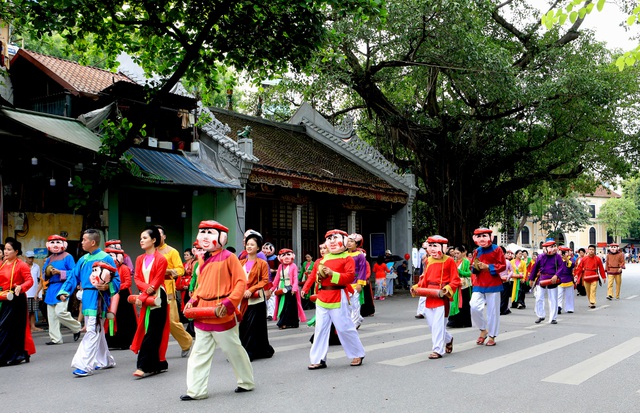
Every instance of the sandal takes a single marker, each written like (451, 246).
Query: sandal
(448, 348)
(138, 373)
(321, 365)
(355, 363)
(434, 356)
(482, 338)
(491, 342)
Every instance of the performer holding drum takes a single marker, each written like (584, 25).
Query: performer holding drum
(545, 277)
(152, 335)
(214, 308)
(438, 284)
(587, 271)
(55, 267)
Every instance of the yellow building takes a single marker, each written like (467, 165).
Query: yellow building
(532, 236)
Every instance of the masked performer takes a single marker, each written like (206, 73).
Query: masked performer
(589, 271)
(253, 327)
(566, 293)
(367, 306)
(439, 283)
(520, 277)
(117, 244)
(355, 242)
(122, 327)
(288, 306)
(272, 259)
(545, 276)
(152, 336)
(460, 313)
(614, 266)
(221, 286)
(93, 352)
(16, 343)
(54, 269)
(487, 263)
(334, 274)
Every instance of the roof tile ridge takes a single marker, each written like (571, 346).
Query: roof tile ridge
(76, 64)
(218, 131)
(362, 150)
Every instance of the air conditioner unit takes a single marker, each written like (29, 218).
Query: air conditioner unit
(18, 221)
(104, 218)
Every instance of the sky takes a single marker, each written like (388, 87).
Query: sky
(606, 25)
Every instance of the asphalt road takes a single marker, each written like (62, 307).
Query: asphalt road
(588, 362)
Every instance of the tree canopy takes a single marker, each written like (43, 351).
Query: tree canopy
(564, 215)
(190, 40)
(473, 97)
(572, 10)
(619, 215)
(481, 102)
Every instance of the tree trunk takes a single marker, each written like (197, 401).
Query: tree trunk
(457, 208)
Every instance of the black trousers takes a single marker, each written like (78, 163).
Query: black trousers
(505, 295)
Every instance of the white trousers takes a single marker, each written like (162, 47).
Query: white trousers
(566, 298)
(355, 309)
(58, 314)
(490, 321)
(199, 364)
(271, 305)
(341, 319)
(438, 323)
(93, 350)
(552, 294)
(421, 305)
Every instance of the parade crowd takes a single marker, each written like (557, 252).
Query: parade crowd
(217, 298)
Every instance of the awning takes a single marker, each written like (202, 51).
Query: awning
(171, 169)
(56, 127)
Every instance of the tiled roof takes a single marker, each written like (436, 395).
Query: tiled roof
(73, 76)
(602, 192)
(287, 150)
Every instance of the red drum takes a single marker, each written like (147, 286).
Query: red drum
(113, 308)
(590, 278)
(517, 276)
(279, 292)
(428, 292)
(151, 301)
(200, 312)
(546, 283)
(255, 294)
(6, 295)
(313, 298)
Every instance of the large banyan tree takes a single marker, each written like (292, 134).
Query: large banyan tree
(481, 102)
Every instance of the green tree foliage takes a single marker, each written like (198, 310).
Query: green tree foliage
(564, 215)
(619, 215)
(631, 191)
(84, 51)
(574, 10)
(188, 39)
(481, 106)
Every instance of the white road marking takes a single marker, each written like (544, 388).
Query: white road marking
(496, 363)
(600, 307)
(378, 346)
(631, 297)
(307, 344)
(542, 324)
(275, 334)
(583, 371)
(457, 348)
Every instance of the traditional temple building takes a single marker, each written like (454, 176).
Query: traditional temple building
(312, 176)
(291, 181)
